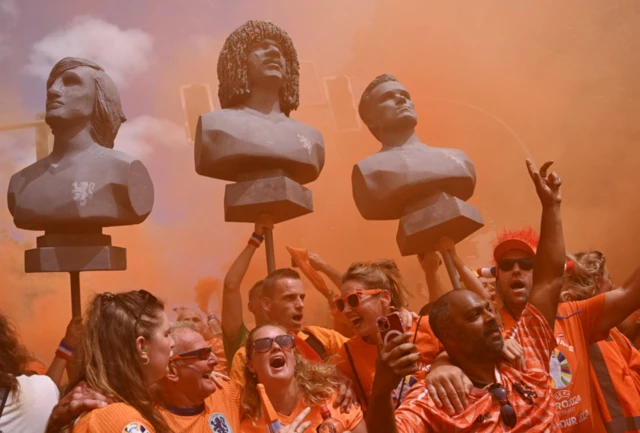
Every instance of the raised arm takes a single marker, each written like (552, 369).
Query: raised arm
(430, 263)
(231, 297)
(621, 302)
(72, 339)
(320, 265)
(548, 269)
(468, 278)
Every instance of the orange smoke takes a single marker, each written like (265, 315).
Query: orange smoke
(205, 289)
(500, 80)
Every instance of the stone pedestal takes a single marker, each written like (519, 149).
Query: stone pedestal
(279, 196)
(75, 253)
(435, 217)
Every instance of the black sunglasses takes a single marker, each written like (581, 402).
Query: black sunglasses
(147, 297)
(525, 264)
(202, 354)
(264, 344)
(507, 412)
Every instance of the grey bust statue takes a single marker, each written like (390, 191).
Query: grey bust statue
(253, 138)
(84, 184)
(407, 176)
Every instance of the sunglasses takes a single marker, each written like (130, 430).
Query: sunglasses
(507, 412)
(263, 345)
(147, 297)
(526, 264)
(354, 299)
(202, 354)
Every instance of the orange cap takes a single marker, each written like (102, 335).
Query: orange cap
(525, 239)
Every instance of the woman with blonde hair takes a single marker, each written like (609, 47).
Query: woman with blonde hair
(371, 290)
(590, 277)
(293, 385)
(127, 347)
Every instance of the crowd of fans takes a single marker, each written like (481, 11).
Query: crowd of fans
(549, 345)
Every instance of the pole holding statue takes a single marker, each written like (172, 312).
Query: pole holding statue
(252, 141)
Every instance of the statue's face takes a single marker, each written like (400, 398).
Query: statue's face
(71, 96)
(391, 107)
(265, 61)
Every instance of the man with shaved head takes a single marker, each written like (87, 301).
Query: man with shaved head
(504, 397)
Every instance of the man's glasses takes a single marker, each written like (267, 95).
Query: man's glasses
(354, 299)
(263, 345)
(202, 354)
(526, 264)
(147, 297)
(507, 412)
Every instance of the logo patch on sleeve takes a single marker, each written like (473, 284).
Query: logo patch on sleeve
(135, 427)
(219, 424)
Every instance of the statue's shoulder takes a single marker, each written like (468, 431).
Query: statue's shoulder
(305, 129)
(219, 118)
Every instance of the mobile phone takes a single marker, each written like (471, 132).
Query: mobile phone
(389, 326)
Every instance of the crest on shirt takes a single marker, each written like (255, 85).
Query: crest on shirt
(135, 427)
(559, 370)
(219, 424)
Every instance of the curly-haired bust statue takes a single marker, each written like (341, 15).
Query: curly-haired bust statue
(83, 184)
(259, 86)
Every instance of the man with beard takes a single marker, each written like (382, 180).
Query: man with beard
(503, 396)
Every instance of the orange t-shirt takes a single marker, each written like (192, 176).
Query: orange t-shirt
(418, 413)
(576, 328)
(616, 383)
(221, 413)
(331, 340)
(115, 418)
(349, 420)
(218, 349)
(364, 357)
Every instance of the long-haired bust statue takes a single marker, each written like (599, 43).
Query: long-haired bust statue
(84, 184)
(258, 73)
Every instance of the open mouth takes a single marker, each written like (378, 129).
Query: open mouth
(277, 362)
(207, 375)
(517, 285)
(297, 318)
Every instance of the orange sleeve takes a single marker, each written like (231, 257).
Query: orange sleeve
(428, 344)
(237, 366)
(591, 317)
(115, 418)
(331, 340)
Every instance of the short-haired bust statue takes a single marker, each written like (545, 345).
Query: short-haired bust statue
(83, 185)
(253, 137)
(407, 176)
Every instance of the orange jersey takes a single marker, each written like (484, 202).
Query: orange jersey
(221, 413)
(364, 357)
(576, 328)
(331, 341)
(115, 418)
(418, 413)
(616, 382)
(217, 347)
(349, 420)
